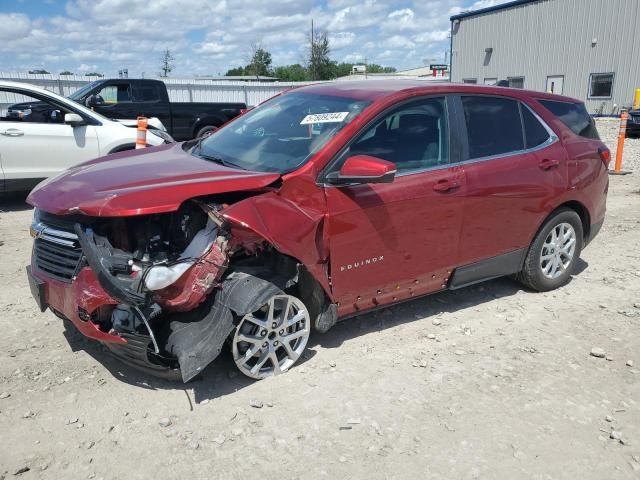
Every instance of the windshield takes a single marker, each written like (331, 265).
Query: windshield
(78, 94)
(281, 134)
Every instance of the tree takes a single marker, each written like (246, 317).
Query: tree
(321, 67)
(233, 72)
(67, 72)
(375, 68)
(166, 63)
(292, 73)
(39, 72)
(343, 69)
(260, 61)
(93, 74)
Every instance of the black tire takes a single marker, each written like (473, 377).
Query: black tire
(532, 274)
(206, 130)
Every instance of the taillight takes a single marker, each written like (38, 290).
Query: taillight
(605, 156)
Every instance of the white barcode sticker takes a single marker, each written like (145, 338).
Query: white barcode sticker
(333, 117)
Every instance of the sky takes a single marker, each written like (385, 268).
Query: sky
(207, 37)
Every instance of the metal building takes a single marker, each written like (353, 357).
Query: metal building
(587, 49)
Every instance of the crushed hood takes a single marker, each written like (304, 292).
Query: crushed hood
(151, 180)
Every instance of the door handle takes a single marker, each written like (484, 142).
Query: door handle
(445, 185)
(12, 132)
(548, 164)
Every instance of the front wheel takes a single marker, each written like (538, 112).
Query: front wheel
(554, 252)
(271, 339)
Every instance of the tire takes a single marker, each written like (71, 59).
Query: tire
(206, 130)
(258, 343)
(559, 241)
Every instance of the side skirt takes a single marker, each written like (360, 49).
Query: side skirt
(498, 266)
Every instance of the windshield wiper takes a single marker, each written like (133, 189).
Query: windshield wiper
(213, 158)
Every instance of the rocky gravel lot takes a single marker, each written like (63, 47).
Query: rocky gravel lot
(491, 381)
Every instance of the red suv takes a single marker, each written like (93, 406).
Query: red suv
(322, 203)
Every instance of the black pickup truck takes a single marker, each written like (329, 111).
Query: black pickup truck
(129, 98)
(633, 124)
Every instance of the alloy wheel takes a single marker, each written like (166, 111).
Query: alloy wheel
(270, 340)
(558, 250)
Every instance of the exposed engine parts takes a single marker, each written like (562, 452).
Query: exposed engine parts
(161, 272)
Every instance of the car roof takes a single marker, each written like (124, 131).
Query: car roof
(373, 90)
(28, 86)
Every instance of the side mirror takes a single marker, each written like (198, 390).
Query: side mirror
(363, 169)
(74, 119)
(94, 101)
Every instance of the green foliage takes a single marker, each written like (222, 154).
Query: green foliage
(66, 72)
(260, 63)
(166, 63)
(375, 68)
(234, 72)
(319, 66)
(292, 73)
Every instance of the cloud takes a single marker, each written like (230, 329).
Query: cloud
(14, 26)
(209, 37)
(342, 39)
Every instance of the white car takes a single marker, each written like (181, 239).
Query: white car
(42, 133)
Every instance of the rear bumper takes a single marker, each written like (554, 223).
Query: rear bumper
(633, 128)
(593, 231)
(84, 294)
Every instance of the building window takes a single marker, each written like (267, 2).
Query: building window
(600, 85)
(469, 80)
(490, 81)
(516, 82)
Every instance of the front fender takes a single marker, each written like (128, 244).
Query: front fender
(290, 229)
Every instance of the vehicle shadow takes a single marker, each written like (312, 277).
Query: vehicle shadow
(448, 301)
(14, 202)
(221, 378)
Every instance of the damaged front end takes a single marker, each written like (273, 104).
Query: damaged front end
(144, 286)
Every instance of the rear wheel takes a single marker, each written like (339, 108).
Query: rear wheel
(271, 339)
(555, 250)
(206, 130)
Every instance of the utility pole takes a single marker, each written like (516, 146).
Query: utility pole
(313, 50)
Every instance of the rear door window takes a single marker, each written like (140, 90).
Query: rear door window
(493, 126)
(147, 93)
(574, 116)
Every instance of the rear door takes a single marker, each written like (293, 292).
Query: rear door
(389, 242)
(515, 169)
(150, 100)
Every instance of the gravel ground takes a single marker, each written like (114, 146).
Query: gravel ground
(609, 129)
(486, 382)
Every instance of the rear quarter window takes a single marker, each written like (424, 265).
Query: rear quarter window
(535, 133)
(574, 116)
